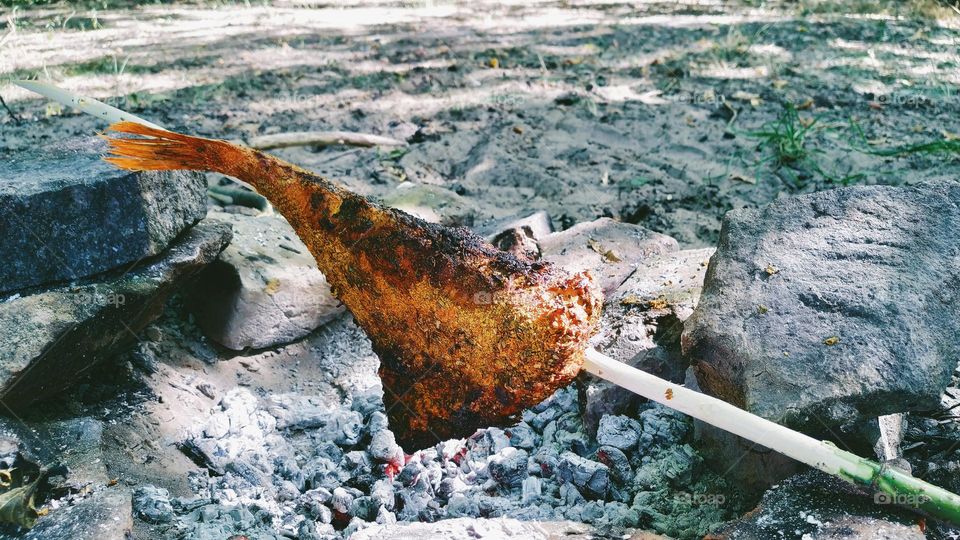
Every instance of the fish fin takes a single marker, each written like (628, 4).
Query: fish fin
(166, 150)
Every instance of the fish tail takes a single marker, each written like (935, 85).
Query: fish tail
(162, 150)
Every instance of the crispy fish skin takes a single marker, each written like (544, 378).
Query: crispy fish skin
(468, 335)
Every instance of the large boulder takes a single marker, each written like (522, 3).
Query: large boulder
(67, 214)
(823, 310)
(51, 337)
(265, 290)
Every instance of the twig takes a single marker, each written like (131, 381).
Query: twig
(321, 138)
(16, 119)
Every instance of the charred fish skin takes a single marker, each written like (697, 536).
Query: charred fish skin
(468, 335)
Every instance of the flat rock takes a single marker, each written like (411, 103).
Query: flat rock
(829, 308)
(473, 528)
(105, 515)
(68, 214)
(264, 290)
(53, 336)
(817, 506)
(611, 249)
(74, 443)
(432, 203)
(641, 325)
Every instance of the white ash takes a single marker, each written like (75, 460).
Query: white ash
(290, 466)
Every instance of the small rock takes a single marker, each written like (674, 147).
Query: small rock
(152, 504)
(265, 290)
(815, 505)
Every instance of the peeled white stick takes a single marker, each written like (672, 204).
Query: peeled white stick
(321, 138)
(84, 104)
(891, 484)
(94, 107)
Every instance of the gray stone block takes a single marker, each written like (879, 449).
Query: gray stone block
(67, 214)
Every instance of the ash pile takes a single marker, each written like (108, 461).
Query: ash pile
(285, 467)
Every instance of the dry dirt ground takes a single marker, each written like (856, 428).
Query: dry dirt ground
(662, 114)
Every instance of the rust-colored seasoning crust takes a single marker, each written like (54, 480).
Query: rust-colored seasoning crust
(467, 335)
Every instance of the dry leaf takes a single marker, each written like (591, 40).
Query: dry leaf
(779, 83)
(16, 505)
(832, 340)
(807, 103)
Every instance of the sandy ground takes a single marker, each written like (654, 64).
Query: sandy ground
(663, 114)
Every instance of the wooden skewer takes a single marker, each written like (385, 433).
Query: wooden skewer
(891, 484)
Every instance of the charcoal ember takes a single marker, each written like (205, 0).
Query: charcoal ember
(450, 486)
(548, 460)
(563, 400)
(619, 432)
(328, 449)
(522, 436)
(383, 492)
(494, 506)
(461, 505)
(153, 504)
(410, 473)
(248, 472)
(365, 508)
(494, 440)
(617, 515)
(617, 461)
(509, 467)
(592, 511)
(570, 495)
(344, 428)
(385, 517)
(531, 490)
(286, 467)
(323, 472)
(368, 401)
(298, 412)
(357, 466)
(674, 466)
(356, 525)
(591, 477)
(413, 503)
(661, 426)
(377, 422)
(540, 420)
(341, 500)
(287, 491)
(574, 441)
(549, 433)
